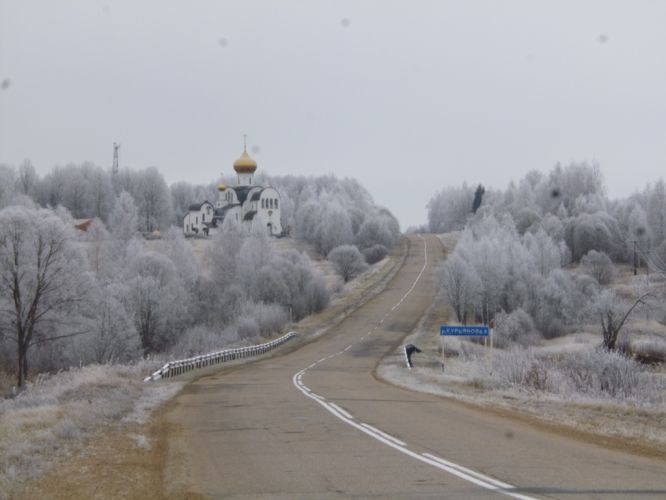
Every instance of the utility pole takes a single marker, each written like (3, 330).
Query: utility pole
(116, 150)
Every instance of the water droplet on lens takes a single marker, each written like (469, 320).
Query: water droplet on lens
(345, 22)
(6, 83)
(222, 42)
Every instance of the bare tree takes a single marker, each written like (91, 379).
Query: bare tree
(613, 314)
(42, 280)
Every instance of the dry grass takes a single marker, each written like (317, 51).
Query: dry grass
(54, 417)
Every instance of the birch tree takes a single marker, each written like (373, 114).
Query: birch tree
(42, 281)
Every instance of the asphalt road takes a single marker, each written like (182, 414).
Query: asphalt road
(316, 423)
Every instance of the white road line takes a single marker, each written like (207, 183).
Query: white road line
(460, 471)
(384, 434)
(471, 472)
(345, 413)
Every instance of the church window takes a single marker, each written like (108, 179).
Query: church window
(276, 203)
(196, 220)
(203, 217)
(270, 203)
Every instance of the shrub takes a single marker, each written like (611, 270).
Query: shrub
(599, 266)
(514, 328)
(375, 253)
(601, 372)
(348, 261)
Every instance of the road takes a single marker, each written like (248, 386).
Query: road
(316, 423)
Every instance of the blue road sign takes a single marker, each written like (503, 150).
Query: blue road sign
(464, 331)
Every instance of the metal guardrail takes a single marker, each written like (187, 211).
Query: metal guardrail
(178, 367)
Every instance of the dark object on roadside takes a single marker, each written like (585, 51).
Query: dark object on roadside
(409, 350)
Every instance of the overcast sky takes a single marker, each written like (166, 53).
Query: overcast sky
(405, 96)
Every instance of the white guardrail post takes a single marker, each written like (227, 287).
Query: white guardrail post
(178, 367)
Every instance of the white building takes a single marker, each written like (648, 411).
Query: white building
(252, 206)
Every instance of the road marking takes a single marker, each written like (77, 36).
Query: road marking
(340, 410)
(384, 434)
(460, 471)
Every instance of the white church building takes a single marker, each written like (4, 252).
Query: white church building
(251, 206)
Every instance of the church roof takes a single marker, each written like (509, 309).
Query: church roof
(250, 215)
(221, 212)
(256, 196)
(242, 192)
(197, 206)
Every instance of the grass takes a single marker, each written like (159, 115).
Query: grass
(55, 415)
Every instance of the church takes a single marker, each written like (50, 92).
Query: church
(249, 205)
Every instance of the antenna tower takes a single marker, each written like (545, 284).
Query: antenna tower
(116, 150)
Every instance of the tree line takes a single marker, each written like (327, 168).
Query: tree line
(69, 297)
(538, 257)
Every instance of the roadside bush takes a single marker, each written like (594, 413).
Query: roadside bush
(599, 372)
(269, 318)
(375, 253)
(199, 340)
(514, 328)
(247, 328)
(347, 261)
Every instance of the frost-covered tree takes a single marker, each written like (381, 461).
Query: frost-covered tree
(599, 266)
(461, 286)
(153, 199)
(124, 218)
(328, 212)
(335, 228)
(7, 185)
(182, 196)
(348, 261)
(450, 208)
(546, 255)
(99, 249)
(158, 299)
(27, 178)
(42, 280)
(380, 228)
(114, 336)
(656, 212)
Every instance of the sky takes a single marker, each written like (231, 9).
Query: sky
(405, 96)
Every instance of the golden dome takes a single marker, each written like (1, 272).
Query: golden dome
(245, 164)
(221, 187)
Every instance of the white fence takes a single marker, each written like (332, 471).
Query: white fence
(173, 368)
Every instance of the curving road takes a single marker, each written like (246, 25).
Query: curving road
(315, 423)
